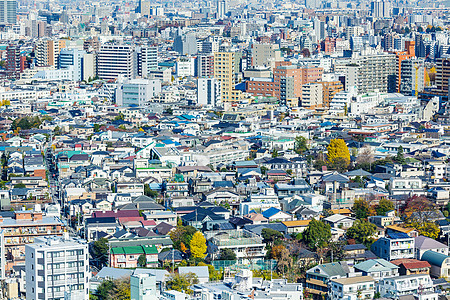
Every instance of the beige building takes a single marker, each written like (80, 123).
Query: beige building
(265, 54)
(224, 70)
(47, 51)
(312, 95)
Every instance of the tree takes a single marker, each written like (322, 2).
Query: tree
(365, 159)
(117, 289)
(149, 192)
(337, 250)
(305, 52)
(362, 232)
(227, 254)
(182, 283)
(120, 290)
(275, 253)
(338, 153)
(119, 117)
(182, 234)
(418, 209)
(198, 245)
(384, 206)
(275, 153)
(361, 209)
(317, 234)
(97, 127)
(20, 186)
(428, 229)
(142, 260)
(301, 144)
(100, 251)
(400, 158)
(270, 235)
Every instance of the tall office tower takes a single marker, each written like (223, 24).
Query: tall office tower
(13, 61)
(72, 57)
(136, 92)
(205, 66)
(380, 9)
(47, 51)
(319, 29)
(443, 74)
(208, 92)
(265, 54)
(412, 76)
(147, 59)
(225, 67)
(222, 9)
(57, 268)
(372, 72)
(116, 59)
(144, 8)
(310, 4)
(8, 11)
(185, 44)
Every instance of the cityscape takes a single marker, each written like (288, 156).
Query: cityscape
(224, 150)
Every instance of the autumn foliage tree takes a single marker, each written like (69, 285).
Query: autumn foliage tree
(338, 156)
(198, 245)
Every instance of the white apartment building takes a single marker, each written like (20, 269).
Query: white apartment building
(352, 288)
(147, 57)
(136, 92)
(208, 92)
(185, 67)
(406, 285)
(116, 59)
(312, 95)
(412, 75)
(57, 267)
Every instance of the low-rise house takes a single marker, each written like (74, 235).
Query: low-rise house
(413, 285)
(340, 221)
(127, 257)
(318, 277)
(440, 263)
(274, 214)
(394, 246)
(422, 244)
(409, 266)
(295, 227)
(377, 269)
(359, 287)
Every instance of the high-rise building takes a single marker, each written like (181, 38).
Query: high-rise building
(208, 92)
(402, 55)
(13, 61)
(205, 66)
(8, 11)
(225, 67)
(373, 72)
(312, 95)
(185, 44)
(72, 57)
(47, 51)
(319, 29)
(412, 76)
(330, 89)
(222, 9)
(116, 59)
(57, 268)
(147, 59)
(380, 9)
(311, 4)
(265, 54)
(443, 74)
(136, 92)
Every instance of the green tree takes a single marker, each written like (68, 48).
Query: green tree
(362, 232)
(103, 289)
(120, 289)
(182, 234)
(20, 186)
(227, 254)
(317, 235)
(100, 251)
(270, 235)
(338, 154)
(198, 245)
(275, 153)
(361, 209)
(120, 116)
(182, 283)
(400, 158)
(301, 144)
(142, 260)
(149, 192)
(384, 206)
(97, 127)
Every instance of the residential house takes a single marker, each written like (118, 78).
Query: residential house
(275, 214)
(377, 268)
(127, 257)
(408, 266)
(339, 221)
(358, 287)
(413, 285)
(295, 227)
(318, 277)
(440, 263)
(422, 244)
(394, 246)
